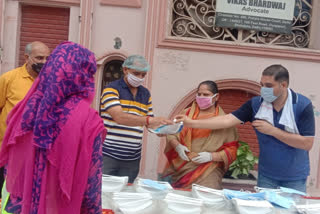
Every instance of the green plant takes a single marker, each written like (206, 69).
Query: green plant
(245, 161)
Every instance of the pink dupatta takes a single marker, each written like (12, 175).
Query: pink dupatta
(54, 122)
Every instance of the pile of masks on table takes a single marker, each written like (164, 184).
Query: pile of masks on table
(148, 196)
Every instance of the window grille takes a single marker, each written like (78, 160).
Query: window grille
(194, 19)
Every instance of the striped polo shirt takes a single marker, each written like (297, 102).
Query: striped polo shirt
(124, 142)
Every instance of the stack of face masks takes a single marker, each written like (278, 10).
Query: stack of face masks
(129, 202)
(253, 206)
(284, 197)
(113, 183)
(309, 207)
(168, 129)
(264, 195)
(182, 204)
(212, 198)
(157, 189)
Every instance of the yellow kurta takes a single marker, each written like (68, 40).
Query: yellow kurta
(14, 85)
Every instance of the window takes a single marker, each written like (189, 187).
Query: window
(111, 72)
(195, 19)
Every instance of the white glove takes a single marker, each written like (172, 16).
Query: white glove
(181, 150)
(203, 157)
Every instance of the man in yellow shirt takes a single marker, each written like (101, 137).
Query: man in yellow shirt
(15, 84)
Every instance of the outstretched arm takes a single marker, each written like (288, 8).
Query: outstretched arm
(111, 106)
(127, 119)
(218, 122)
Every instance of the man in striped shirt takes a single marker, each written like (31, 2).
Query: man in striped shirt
(126, 108)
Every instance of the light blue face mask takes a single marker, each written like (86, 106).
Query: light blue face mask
(267, 94)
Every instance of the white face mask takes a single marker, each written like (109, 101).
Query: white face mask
(134, 81)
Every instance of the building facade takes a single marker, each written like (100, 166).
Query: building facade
(179, 39)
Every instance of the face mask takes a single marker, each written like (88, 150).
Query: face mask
(134, 81)
(205, 102)
(37, 67)
(267, 94)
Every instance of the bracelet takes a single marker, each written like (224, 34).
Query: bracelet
(147, 120)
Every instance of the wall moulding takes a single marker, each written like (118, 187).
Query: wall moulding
(122, 3)
(242, 50)
(111, 55)
(52, 2)
(165, 40)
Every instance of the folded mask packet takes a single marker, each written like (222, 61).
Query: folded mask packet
(113, 183)
(129, 202)
(253, 206)
(154, 184)
(168, 129)
(158, 189)
(182, 204)
(292, 191)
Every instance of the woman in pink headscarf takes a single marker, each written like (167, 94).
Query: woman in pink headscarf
(52, 148)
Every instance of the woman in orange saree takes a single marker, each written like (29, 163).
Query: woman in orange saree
(214, 150)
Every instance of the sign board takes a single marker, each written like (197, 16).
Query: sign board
(259, 15)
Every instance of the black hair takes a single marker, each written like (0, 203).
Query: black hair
(212, 86)
(279, 73)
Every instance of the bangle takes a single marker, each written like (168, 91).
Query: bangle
(147, 120)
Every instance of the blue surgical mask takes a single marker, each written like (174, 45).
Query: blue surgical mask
(267, 94)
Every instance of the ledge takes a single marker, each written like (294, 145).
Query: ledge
(239, 181)
(254, 50)
(122, 3)
(55, 2)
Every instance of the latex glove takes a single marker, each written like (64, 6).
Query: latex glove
(203, 157)
(181, 150)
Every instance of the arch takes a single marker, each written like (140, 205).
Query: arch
(249, 86)
(111, 55)
(101, 62)
(235, 84)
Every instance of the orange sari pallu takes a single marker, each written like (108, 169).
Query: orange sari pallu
(224, 141)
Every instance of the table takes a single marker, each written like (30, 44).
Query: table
(159, 206)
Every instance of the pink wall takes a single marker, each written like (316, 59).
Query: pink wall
(86, 8)
(52, 2)
(122, 3)
(177, 66)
